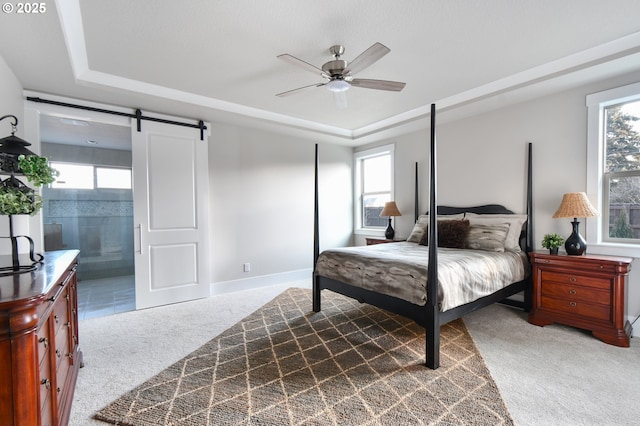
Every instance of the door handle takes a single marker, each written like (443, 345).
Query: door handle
(139, 228)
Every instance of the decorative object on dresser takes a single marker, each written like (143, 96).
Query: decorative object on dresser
(390, 209)
(587, 292)
(575, 205)
(15, 196)
(39, 348)
(552, 242)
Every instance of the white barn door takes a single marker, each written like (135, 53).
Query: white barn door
(171, 192)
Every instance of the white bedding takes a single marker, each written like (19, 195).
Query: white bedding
(400, 270)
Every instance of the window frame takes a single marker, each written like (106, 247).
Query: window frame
(596, 179)
(358, 158)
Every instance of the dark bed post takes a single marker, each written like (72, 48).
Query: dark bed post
(529, 288)
(316, 239)
(416, 207)
(433, 311)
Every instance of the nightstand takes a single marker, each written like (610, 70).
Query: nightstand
(372, 241)
(587, 291)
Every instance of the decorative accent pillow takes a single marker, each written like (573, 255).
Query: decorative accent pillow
(420, 228)
(451, 234)
(514, 221)
(487, 237)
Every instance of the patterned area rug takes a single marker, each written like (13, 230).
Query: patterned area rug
(351, 364)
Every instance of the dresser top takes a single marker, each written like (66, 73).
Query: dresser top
(593, 257)
(35, 284)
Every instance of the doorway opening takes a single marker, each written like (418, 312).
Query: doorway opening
(90, 208)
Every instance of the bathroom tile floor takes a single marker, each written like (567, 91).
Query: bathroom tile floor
(106, 296)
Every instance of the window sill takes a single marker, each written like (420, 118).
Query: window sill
(370, 232)
(613, 249)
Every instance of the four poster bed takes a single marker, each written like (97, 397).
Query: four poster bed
(399, 277)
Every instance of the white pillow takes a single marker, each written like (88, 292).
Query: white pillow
(515, 222)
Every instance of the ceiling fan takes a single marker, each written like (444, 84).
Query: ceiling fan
(339, 73)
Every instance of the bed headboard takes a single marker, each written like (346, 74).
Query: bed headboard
(488, 209)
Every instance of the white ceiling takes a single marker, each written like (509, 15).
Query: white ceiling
(217, 60)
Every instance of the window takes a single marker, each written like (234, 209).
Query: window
(82, 176)
(113, 178)
(374, 187)
(613, 169)
(73, 176)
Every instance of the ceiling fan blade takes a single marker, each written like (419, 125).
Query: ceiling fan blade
(299, 89)
(366, 58)
(299, 62)
(394, 86)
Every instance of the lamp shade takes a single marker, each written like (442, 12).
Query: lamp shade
(390, 209)
(575, 204)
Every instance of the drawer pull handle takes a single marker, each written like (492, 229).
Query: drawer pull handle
(572, 291)
(55, 317)
(68, 325)
(70, 355)
(572, 279)
(46, 383)
(59, 390)
(573, 304)
(44, 341)
(58, 353)
(601, 266)
(52, 299)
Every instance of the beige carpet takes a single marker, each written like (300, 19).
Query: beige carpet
(350, 364)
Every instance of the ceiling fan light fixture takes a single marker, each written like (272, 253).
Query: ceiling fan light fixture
(338, 85)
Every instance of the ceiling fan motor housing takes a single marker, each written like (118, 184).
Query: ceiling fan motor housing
(334, 68)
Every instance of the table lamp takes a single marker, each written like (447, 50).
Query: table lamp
(575, 205)
(390, 209)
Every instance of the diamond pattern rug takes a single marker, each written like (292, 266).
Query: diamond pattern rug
(351, 364)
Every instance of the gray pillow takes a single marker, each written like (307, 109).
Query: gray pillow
(487, 237)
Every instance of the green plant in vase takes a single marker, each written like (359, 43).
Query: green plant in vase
(15, 196)
(552, 242)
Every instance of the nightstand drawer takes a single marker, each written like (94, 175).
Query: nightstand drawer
(576, 307)
(576, 279)
(575, 292)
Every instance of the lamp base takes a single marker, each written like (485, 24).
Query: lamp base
(389, 233)
(575, 244)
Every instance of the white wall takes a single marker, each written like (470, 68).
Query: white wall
(262, 201)
(481, 160)
(11, 102)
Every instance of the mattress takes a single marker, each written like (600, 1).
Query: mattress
(400, 270)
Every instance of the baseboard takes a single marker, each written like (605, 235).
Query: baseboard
(301, 277)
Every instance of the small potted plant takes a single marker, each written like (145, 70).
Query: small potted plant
(18, 198)
(552, 242)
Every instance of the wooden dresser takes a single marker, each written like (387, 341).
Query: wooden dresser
(586, 291)
(39, 352)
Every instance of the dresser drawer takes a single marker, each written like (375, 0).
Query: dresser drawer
(576, 292)
(576, 279)
(60, 311)
(588, 264)
(44, 342)
(62, 376)
(46, 414)
(576, 307)
(62, 345)
(46, 382)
